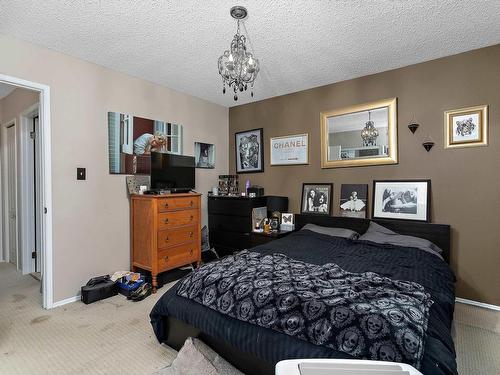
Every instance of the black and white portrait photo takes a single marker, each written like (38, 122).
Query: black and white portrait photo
(353, 200)
(316, 199)
(204, 154)
(408, 200)
(249, 151)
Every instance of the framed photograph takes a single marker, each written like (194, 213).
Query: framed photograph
(353, 200)
(316, 199)
(204, 154)
(131, 139)
(290, 150)
(404, 200)
(466, 127)
(249, 151)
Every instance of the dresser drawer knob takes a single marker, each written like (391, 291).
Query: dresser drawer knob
(165, 258)
(191, 217)
(191, 252)
(166, 204)
(191, 234)
(191, 203)
(166, 220)
(166, 239)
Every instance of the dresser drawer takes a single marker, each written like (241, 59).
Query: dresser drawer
(178, 256)
(174, 237)
(181, 203)
(167, 220)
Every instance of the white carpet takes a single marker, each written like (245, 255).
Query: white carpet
(114, 336)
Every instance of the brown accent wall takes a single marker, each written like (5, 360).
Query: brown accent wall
(465, 182)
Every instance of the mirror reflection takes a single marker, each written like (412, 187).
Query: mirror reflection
(131, 140)
(358, 135)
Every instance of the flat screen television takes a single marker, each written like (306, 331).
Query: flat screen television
(172, 172)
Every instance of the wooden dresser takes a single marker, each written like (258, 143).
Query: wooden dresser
(165, 232)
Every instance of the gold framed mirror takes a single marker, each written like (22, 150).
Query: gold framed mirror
(360, 135)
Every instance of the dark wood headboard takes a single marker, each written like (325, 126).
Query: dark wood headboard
(439, 234)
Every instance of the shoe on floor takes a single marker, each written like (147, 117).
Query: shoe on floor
(140, 293)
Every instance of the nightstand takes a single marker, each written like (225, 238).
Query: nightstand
(257, 238)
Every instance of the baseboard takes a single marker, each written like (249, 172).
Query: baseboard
(478, 304)
(66, 301)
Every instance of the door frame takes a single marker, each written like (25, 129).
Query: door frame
(4, 189)
(45, 182)
(26, 188)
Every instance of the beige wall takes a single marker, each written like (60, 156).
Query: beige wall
(11, 108)
(465, 182)
(91, 218)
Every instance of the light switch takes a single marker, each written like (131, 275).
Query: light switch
(81, 173)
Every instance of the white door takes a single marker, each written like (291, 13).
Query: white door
(11, 194)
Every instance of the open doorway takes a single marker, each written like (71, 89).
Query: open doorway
(21, 203)
(25, 219)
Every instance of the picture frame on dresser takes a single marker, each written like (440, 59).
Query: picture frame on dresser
(249, 151)
(402, 199)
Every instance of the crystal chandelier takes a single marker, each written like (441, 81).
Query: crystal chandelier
(369, 133)
(237, 67)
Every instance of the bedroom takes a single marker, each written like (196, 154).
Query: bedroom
(307, 67)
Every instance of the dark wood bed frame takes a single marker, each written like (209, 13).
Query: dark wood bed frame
(178, 331)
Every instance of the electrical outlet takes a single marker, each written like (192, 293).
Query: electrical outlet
(81, 173)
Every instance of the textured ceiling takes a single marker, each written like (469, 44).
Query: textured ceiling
(301, 44)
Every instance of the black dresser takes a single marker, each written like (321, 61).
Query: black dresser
(230, 220)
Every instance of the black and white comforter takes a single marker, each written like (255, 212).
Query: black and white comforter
(271, 346)
(362, 314)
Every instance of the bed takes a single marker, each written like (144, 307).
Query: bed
(255, 349)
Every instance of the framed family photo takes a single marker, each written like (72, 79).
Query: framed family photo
(316, 199)
(466, 127)
(249, 151)
(353, 200)
(404, 200)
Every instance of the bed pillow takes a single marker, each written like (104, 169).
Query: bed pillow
(379, 234)
(336, 232)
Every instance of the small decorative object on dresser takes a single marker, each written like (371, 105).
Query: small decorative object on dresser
(466, 127)
(290, 150)
(165, 232)
(134, 183)
(228, 184)
(287, 222)
(316, 199)
(353, 200)
(249, 151)
(204, 155)
(404, 199)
